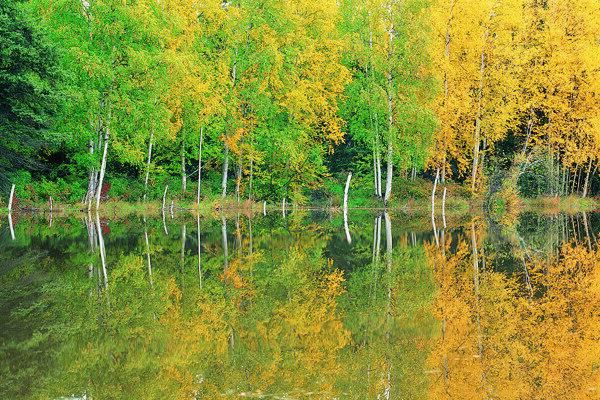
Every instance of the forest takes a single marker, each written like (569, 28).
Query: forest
(271, 99)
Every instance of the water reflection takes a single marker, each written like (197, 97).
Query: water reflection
(292, 308)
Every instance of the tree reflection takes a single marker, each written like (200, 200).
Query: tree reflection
(526, 325)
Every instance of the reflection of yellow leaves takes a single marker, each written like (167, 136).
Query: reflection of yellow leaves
(505, 338)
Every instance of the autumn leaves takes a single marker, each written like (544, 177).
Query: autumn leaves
(518, 77)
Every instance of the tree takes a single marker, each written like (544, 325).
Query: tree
(29, 90)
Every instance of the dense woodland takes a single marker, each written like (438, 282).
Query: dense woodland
(273, 99)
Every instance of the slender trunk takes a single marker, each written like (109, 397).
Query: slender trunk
(10, 225)
(102, 168)
(225, 171)
(199, 254)
(182, 255)
(90, 190)
(148, 255)
(375, 172)
(479, 107)
(150, 143)
(10, 199)
(183, 173)
(200, 165)
(390, 168)
(226, 161)
(94, 187)
(283, 208)
(482, 159)
(251, 178)
(224, 241)
(437, 176)
(378, 161)
(587, 179)
(348, 237)
(444, 208)
(102, 250)
(238, 180)
(164, 197)
(435, 182)
(528, 132)
(390, 101)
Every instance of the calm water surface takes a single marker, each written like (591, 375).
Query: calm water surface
(299, 308)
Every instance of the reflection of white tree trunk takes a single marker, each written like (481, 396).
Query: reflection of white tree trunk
(10, 225)
(200, 165)
(148, 255)
(224, 241)
(587, 232)
(476, 284)
(102, 250)
(388, 314)
(199, 254)
(182, 256)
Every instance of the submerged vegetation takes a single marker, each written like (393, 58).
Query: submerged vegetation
(278, 100)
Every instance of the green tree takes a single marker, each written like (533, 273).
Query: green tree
(29, 97)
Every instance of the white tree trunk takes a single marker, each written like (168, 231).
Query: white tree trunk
(199, 254)
(148, 164)
(200, 168)
(10, 199)
(587, 179)
(148, 255)
(225, 171)
(224, 241)
(183, 173)
(238, 180)
(91, 182)
(164, 197)
(102, 168)
(390, 169)
(348, 237)
(479, 106)
(444, 208)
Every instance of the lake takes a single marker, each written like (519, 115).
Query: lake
(204, 307)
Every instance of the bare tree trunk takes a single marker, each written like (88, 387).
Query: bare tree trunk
(10, 199)
(200, 165)
(199, 254)
(390, 169)
(444, 208)
(529, 128)
(348, 237)
(251, 178)
(225, 171)
(224, 241)
(148, 255)
(238, 180)
(587, 179)
(150, 143)
(435, 182)
(164, 197)
(10, 225)
(183, 173)
(102, 250)
(102, 168)
(479, 106)
(91, 183)
(183, 237)
(437, 176)
(390, 101)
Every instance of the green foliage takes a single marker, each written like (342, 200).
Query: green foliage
(28, 93)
